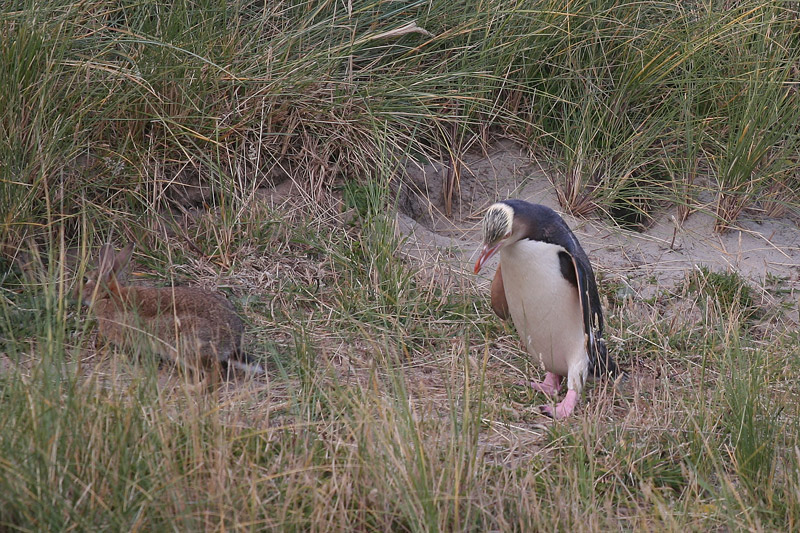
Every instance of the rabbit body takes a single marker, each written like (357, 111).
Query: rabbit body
(183, 324)
(187, 325)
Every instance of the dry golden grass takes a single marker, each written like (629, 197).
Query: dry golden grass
(390, 404)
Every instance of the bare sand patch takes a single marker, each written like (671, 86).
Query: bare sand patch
(644, 262)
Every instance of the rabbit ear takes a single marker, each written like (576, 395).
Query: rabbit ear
(122, 258)
(106, 263)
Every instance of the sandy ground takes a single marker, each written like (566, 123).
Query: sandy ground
(642, 262)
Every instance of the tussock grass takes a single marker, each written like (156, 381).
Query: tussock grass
(111, 110)
(389, 402)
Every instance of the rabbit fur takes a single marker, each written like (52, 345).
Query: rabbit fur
(189, 326)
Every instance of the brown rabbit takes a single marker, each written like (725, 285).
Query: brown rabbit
(190, 326)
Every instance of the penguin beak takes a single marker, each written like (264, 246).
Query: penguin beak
(486, 254)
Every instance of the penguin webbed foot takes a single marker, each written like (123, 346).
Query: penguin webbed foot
(550, 386)
(562, 409)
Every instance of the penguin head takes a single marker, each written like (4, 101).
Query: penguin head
(498, 231)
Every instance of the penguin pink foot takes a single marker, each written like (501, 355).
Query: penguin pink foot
(550, 386)
(563, 409)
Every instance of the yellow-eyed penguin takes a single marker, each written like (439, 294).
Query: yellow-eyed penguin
(546, 284)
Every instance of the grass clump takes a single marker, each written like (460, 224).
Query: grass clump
(113, 110)
(728, 290)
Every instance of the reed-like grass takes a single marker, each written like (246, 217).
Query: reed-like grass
(112, 109)
(389, 403)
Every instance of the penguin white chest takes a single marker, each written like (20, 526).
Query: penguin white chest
(544, 306)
